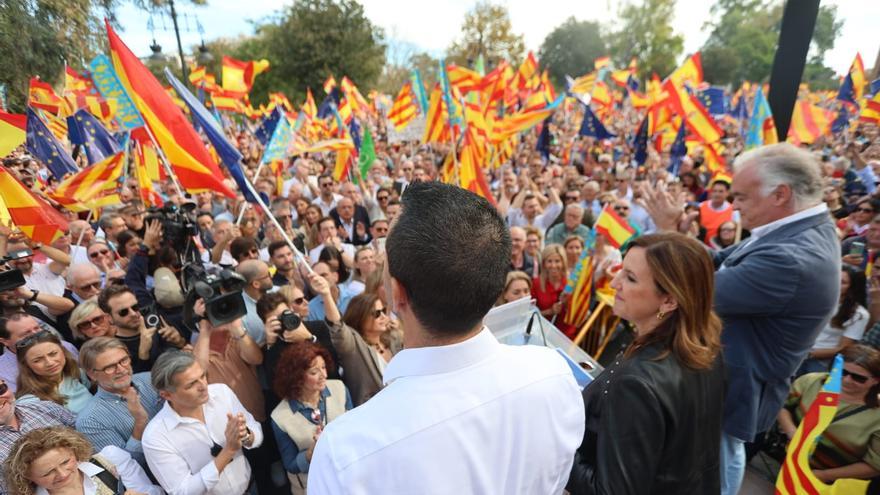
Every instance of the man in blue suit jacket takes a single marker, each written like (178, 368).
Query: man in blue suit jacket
(774, 291)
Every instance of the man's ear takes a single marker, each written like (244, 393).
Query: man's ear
(399, 297)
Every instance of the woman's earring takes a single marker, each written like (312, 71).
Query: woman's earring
(660, 315)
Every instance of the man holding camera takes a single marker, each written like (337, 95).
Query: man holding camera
(144, 343)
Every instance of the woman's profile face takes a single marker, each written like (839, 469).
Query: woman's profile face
(517, 289)
(637, 299)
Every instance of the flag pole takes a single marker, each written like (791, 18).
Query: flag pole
(165, 162)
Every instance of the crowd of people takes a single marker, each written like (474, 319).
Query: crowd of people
(110, 375)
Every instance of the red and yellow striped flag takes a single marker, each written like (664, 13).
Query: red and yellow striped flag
(808, 122)
(88, 182)
(578, 307)
(613, 227)
(13, 129)
(353, 95)
(404, 109)
(471, 176)
(796, 476)
(145, 158)
(309, 107)
(238, 76)
(602, 62)
(27, 211)
(41, 95)
(690, 72)
(695, 115)
(436, 128)
(329, 84)
(527, 70)
(465, 80)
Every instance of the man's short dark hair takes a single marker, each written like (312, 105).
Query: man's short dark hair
(268, 302)
(240, 246)
(450, 250)
(275, 246)
(110, 292)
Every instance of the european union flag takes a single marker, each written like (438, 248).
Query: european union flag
(543, 144)
(267, 126)
(330, 103)
(355, 129)
(592, 126)
(632, 83)
(228, 153)
(640, 142)
(85, 130)
(874, 88)
(677, 151)
(847, 91)
(842, 120)
(42, 144)
(714, 100)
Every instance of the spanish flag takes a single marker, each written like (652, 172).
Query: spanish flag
(12, 131)
(41, 95)
(39, 221)
(238, 76)
(88, 182)
(808, 122)
(690, 72)
(613, 227)
(186, 152)
(602, 62)
(471, 175)
(695, 115)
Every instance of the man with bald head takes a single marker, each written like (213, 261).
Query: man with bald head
(258, 281)
(519, 260)
(352, 219)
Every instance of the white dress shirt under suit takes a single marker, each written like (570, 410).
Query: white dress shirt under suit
(473, 417)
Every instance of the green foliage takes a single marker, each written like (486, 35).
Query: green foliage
(646, 33)
(571, 48)
(743, 42)
(309, 41)
(486, 31)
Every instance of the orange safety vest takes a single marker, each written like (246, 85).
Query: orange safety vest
(711, 219)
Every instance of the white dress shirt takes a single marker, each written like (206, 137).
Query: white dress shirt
(543, 221)
(178, 449)
(130, 473)
(476, 417)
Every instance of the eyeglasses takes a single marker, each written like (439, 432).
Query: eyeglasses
(865, 210)
(855, 376)
(621, 208)
(284, 217)
(94, 322)
(379, 312)
(124, 311)
(382, 198)
(571, 198)
(327, 184)
(32, 339)
(111, 368)
(299, 301)
(93, 285)
(103, 252)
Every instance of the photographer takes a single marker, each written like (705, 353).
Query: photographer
(285, 328)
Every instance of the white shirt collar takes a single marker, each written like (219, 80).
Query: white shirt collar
(765, 229)
(441, 359)
(88, 470)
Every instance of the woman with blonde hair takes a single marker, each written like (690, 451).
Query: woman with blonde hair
(58, 460)
(48, 371)
(517, 286)
(88, 321)
(659, 405)
(548, 286)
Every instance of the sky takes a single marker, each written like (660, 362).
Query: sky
(431, 25)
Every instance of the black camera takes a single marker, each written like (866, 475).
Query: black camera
(177, 225)
(221, 293)
(289, 320)
(13, 278)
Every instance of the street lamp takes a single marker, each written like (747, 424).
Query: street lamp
(157, 56)
(204, 57)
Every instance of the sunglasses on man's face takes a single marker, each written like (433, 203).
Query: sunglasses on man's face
(103, 252)
(124, 311)
(855, 376)
(93, 285)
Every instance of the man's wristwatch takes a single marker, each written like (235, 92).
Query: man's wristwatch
(34, 294)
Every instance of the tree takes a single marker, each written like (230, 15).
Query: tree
(486, 31)
(311, 40)
(743, 41)
(571, 48)
(646, 33)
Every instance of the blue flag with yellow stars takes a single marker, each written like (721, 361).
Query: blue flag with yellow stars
(714, 100)
(42, 144)
(267, 125)
(677, 151)
(592, 126)
(85, 130)
(640, 142)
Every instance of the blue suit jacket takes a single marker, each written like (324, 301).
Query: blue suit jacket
(773, 295)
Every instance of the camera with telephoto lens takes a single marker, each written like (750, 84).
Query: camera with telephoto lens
(220, 291)
(13, 278)
(177, 225)
(289, 320)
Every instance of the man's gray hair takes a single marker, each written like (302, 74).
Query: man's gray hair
(574, 207)
(169, 365)
(78, 270)
(786, 164)
(106, 221)
(90, 351)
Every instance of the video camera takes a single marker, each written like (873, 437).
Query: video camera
(221, 293)
(178, 226)
(13, 279)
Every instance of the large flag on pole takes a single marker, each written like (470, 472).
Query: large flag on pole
(188, 156)
(228, 153)
(13, 129)
(91, 187)
(84, 129)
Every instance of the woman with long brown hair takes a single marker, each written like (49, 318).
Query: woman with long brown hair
(548, 286)
(653, 417)
(48, 371)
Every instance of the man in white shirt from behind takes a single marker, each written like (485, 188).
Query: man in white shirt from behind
(460, 413)
(194, 444)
